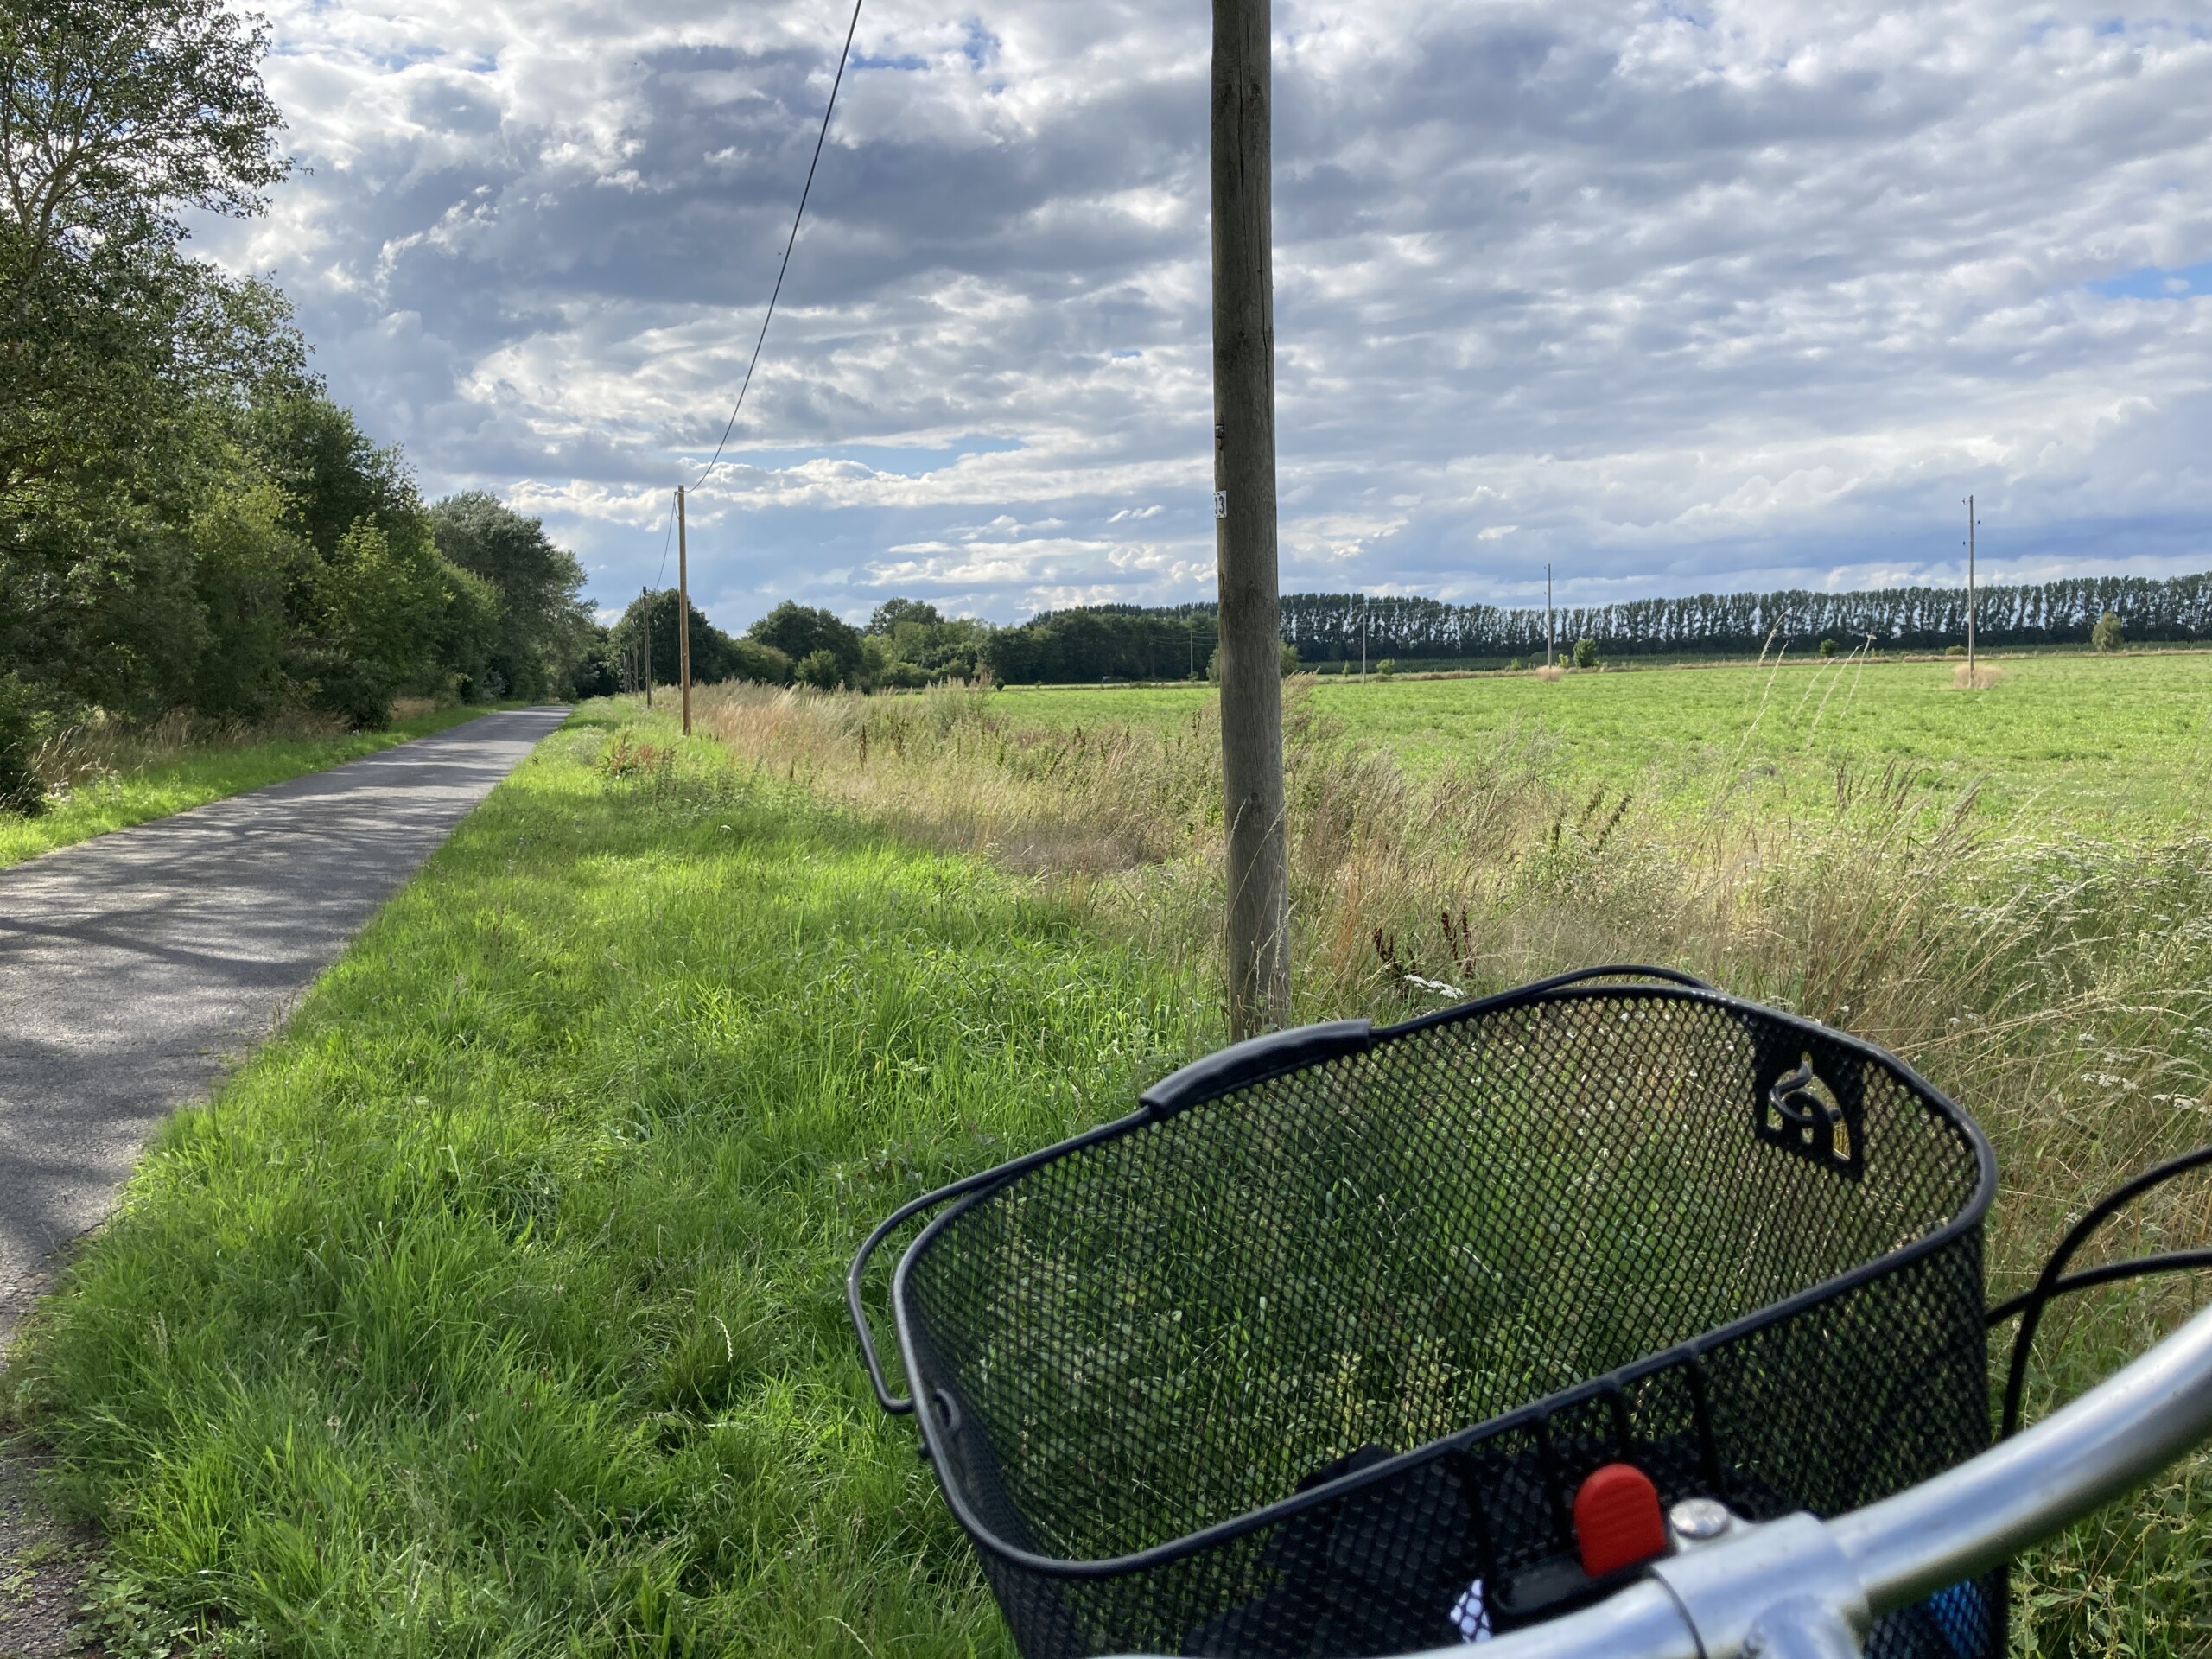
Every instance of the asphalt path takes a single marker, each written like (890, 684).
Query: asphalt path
(136, 967)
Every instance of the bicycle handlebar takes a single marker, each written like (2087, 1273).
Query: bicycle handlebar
(1801, 1589)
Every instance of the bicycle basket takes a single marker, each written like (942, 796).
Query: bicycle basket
(1309, 1355)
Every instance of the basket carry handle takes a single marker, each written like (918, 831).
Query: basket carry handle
(2054, 1281)
(1623, 970)
(896, 1406)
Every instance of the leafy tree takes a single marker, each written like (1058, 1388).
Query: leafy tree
(118, 117)
(937, 651)
(715, 655)
(545, 628)
(245, 558)
(765, 664)
(1828, 647)
(333, 476)
(598, 673)
(893, 612)
(798, 631)
(820, 669)
(2107, 635)
(1585, 652)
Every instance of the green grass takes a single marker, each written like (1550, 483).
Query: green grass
(178, 778)
(2092, 742)
(494, 1308)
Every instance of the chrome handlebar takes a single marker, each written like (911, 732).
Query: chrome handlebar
(1801, 1588)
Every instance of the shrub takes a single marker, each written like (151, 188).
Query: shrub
(1828, 647)
(819, 669)
(2106, 635)
(358, 691)
(1290, 663)
(1956, 651)
(1586, 653)
(1386, 668)
(761, 664)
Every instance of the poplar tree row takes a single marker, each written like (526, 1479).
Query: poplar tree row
(1139, 643)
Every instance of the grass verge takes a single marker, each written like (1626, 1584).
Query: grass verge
(127, 781)
(494, 1308)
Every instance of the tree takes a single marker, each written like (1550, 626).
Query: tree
(545, 628)
(245, 558)
(893, 612)
(1585, 652)
(798, 631)
(333, 474)
(715, 655)
(2108, 634)
(118, 117)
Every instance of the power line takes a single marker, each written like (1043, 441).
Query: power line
(766, 317)
(666, 536)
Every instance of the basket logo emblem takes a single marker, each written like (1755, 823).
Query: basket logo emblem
(1801, 1112)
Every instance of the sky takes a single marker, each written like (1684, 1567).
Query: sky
(1673, 297)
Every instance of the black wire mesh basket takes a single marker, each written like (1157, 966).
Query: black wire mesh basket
(1310, 1354)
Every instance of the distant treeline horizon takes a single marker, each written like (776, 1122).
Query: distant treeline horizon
(1172, 642)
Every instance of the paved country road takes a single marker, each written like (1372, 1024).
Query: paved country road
(134, 967)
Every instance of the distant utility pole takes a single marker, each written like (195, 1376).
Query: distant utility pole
(1245, 520)
(1969, 592)
(1362, 636)
(683, 611)
(1551, 632)
(645, 633)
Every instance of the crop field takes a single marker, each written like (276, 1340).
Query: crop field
(494, 1309)
(2075, 739)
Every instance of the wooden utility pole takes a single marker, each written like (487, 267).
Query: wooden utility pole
(645, 633)
(1551, 631)
(683, 611)
(1245, 520)
(1969, 592)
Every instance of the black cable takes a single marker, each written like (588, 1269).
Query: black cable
(2054, 1281)
(667, 537)
(805, 191)
(2136, 1266)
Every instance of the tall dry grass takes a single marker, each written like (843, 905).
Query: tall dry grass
(79, 756)
(2057, 986)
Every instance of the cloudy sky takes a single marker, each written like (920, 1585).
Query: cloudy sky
(1674, 296)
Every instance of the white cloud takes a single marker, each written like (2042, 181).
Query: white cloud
(1670, 300)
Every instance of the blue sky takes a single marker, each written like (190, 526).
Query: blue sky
(1748, 295)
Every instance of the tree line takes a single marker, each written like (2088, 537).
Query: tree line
(1174, 642)
(186, 517)
(1328, 626)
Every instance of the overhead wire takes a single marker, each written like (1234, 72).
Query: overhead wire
(806, 190)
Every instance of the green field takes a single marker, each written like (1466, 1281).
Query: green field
(2086, 741)
(174, 778)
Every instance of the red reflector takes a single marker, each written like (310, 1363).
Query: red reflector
(1616, 1519)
